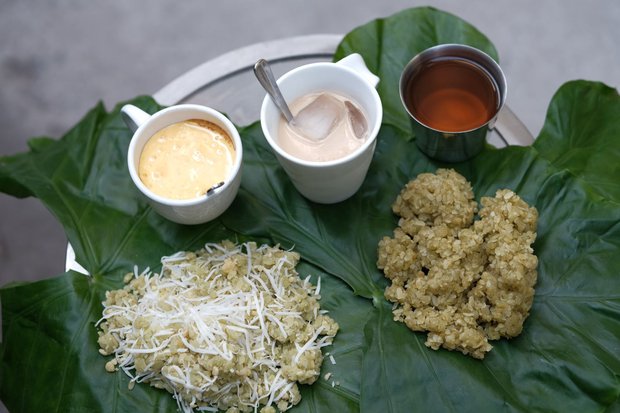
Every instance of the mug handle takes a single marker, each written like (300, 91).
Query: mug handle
(133, 116)
(355, 62)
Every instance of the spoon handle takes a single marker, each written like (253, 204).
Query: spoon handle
(263, 73)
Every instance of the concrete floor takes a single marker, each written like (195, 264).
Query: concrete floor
(58, 59)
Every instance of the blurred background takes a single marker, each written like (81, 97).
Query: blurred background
(58, 59)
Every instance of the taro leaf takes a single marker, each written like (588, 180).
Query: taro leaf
(49, 353)
(565, 360)
(567, 357)
(571, 143)
(50, 338)
(51, 345)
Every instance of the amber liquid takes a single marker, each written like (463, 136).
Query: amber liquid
(452, 95)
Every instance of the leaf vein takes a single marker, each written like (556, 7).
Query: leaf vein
(123, 241)
(76, 335)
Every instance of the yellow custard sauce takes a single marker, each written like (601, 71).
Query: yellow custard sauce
(185, 159)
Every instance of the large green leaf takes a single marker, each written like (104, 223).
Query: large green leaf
(566, 359)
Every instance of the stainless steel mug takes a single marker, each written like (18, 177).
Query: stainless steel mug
(446, 90)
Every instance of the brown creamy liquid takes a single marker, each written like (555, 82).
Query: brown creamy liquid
(452, 95)
(340, 142)
(185, 159)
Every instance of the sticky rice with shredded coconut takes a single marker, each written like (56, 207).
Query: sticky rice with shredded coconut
(227, 327)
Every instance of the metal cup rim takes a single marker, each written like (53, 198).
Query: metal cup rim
(433, 51)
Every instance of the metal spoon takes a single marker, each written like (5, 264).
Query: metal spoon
(263, 73)
(214, 187)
